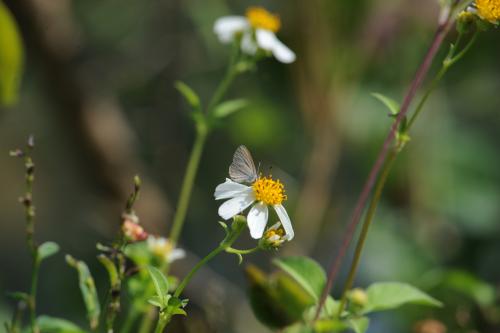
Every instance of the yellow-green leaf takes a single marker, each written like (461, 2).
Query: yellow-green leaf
(11, 57)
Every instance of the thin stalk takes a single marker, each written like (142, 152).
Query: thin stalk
(32, 296)
(450, 60)
(366, 226)
(195, 269)
(187, 184)
(130, 319)
(232, 235)
(420, 75)
(202, 131)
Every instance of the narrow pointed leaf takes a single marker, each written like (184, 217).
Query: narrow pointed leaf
(88, 289)
(189, 95)
(391, 104)
(227, 108)
(161, 284)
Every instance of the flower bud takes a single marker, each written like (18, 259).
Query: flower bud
(358, 297)
(273, 237)
(132, 230)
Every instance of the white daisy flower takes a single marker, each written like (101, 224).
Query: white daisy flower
(257, 30)
(164, 249)
(262, 192)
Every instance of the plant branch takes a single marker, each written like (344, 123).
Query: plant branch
(419, 77)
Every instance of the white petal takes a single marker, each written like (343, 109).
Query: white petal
(285, 220)
(235, 205)
(248, 44)
(257, 220)
(268, 41)
(282, 53)
(230, 189)
(226, 27)
(176, 254)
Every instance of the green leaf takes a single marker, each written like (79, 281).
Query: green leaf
(466, 283)
(359, 325)
(89, 292)
(227, 108)
(298, 328)
(307, 272)
(47, 249)
(391, 295)
(57, 325)
(391, 104)
(189, 94)
(156, 301)
(110, 268)
(161, 284)
(265, 301)
(329, 309)
(11, 57)
(330, 325)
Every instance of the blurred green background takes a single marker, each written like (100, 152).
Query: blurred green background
(98, 94)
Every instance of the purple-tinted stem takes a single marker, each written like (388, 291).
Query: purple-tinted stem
(420, 75)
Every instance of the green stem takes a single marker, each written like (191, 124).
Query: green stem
(163, 320)
(195, 269)
(366, 226)
(187, 184)
(32, 297)
(449, 61)
(202, 131)
(130, 319)
(232, 235)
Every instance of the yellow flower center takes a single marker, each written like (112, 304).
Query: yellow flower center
(274, 232)
(489, 9)
(261, 18)
(269, 191)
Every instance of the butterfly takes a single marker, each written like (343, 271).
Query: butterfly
(243, 170)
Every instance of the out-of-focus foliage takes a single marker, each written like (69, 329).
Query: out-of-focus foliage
(440, 208)
(11, 57)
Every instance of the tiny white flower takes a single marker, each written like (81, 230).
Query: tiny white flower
(164, 249)
(257, 30)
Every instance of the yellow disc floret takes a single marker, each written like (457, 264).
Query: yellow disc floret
(489, 10)
(260, 18)
(269, 191)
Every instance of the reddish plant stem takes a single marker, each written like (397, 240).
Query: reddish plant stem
(420, 75)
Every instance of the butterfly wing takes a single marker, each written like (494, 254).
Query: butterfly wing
(242, 170)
